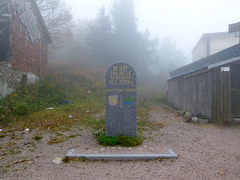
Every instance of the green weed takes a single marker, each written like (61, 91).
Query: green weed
(38, 137)
(119, 140)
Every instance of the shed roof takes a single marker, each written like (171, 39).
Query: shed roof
(223, 55)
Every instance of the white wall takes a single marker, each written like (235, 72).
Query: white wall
(218, 42)
(199, 51)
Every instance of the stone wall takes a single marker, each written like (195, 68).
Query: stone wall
(10, 79)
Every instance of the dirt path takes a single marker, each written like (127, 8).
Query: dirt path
(205, 152)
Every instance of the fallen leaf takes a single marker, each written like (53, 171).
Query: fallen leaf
(221, 173)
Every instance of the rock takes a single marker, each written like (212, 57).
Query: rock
(182, 112)
(200, 116)
(194, 119)
(203, 121)
(26, 143)
(30, 162)
(57, 160)
(188, 116)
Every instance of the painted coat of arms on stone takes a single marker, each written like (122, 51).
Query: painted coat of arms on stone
(113, 100)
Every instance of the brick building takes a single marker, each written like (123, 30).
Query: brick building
(24, 40)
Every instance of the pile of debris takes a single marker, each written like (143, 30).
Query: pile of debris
(196, 119)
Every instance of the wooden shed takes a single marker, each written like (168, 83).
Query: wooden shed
(209, 87)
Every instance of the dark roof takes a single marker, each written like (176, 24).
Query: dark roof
(225, 54)
(39, 15)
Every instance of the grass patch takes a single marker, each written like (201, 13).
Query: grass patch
(59, 134)
(61, 138)
(27, 106)
(2, 135)
(120, 140)
(57, 140)
(143, 123)
(96, 124)
(67, 159)
(38, 137)
(64, 83)
(9, 148)
(74, 135)
(58, 119)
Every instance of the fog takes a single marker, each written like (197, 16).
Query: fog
(155, 37)
(184, 21)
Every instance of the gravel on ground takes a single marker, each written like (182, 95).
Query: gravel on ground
(205, 152)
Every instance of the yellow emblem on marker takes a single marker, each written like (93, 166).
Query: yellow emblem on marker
(113, 100)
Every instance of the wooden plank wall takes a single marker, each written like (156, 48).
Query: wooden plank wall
(192, 92)
(222, 113)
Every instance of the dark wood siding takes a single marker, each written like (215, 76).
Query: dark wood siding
(192, 92)
(235, 82)
(221, 96)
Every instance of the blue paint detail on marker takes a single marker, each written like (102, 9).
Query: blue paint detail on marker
(128, 101)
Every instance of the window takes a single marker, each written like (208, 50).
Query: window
(4, 31)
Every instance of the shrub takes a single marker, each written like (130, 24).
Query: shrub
(22, 109)
(3, 113)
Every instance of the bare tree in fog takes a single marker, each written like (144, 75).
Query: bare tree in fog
(169, 58)
(57, 17)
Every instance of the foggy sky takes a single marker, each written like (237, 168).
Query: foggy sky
(182, 20)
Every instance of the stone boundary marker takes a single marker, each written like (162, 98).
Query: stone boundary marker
(123, 157)
(120, 101)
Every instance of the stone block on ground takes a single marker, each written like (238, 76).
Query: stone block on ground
(188, 116)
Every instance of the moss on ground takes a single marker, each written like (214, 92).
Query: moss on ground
(119, 140)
